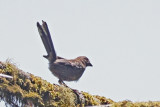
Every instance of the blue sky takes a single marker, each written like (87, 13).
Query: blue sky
(121, 39)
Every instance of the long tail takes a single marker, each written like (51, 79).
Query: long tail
(47, 41)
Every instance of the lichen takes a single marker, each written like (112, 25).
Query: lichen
(26, 89)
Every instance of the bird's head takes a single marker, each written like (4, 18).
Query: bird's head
(85, 60)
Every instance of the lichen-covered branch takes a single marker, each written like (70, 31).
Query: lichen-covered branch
(25, 89)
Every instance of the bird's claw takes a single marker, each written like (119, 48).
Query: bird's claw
(62, 83)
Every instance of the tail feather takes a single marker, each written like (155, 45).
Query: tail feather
(47, 41)
(46, 30)
(43, 37)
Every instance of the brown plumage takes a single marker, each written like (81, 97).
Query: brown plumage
(63, 69)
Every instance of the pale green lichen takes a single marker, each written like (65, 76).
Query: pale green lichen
(127, 103)
(27, 89)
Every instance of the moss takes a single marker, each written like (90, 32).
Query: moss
(128, 103)
(26, 89)
(90, 100)
(104, 100)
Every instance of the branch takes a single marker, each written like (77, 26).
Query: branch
(26, 89)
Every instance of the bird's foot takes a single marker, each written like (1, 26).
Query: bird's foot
(62, 83)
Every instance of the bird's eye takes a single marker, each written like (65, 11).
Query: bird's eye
(86, 59)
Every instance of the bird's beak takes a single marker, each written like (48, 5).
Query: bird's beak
(89, 64)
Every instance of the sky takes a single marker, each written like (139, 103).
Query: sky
(120, 37)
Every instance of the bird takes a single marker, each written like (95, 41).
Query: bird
(62, 68)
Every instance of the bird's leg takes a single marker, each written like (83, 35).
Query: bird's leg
(62, 83)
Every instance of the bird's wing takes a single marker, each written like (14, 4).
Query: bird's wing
(47, 41)
(58, 57)
(69, 64)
